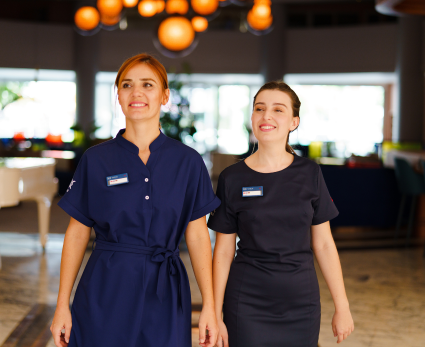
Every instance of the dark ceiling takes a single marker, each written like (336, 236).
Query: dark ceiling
(300, 13)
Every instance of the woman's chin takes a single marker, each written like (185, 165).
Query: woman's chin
(137, 117)
(268, 137)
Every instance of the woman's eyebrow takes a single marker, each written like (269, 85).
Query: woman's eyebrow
(140, 79)
(276, 103)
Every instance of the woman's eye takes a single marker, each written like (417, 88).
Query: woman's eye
(148, 85)
(278, 110)
(259, 109)
(125, 85)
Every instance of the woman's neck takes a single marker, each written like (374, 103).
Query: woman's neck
(142, 134)
(270, 158)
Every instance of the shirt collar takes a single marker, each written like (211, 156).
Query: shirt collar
(133, 148)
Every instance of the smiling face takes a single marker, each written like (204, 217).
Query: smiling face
(272, 117)
(141, 94)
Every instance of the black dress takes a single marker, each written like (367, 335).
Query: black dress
(272, 295)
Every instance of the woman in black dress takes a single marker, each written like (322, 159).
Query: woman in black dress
(279, 206)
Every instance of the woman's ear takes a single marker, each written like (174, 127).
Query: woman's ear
(165, 96)
(295, 123)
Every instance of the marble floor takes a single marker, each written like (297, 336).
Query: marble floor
(386, 289)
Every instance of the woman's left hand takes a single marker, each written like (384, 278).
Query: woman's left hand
(207, 320)
(342, 324)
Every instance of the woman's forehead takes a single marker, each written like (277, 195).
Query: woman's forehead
(273, 96)
(140, 71)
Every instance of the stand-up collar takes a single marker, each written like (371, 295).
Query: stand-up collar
(130, 146)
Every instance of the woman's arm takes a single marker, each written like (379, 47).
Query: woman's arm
(74, 246)
(224, 252)
(199, 246)
(327, 256)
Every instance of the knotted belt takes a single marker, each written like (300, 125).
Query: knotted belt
(170, 260)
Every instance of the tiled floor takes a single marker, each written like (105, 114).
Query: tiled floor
(386, 289)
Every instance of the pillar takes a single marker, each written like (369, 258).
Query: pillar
(410, 76)
(86, 67)
(273, 46)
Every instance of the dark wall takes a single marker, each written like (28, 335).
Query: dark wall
(340, 49)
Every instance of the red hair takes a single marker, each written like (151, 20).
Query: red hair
(143, 58)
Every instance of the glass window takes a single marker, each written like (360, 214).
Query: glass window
(234, 104)
(350, 116)
(36, 103)
(45, 107)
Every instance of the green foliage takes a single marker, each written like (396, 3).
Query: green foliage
(80, 138)
(9, 93)
(178, 122)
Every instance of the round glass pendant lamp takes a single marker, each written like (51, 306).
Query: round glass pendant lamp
(110, 21)
(259, 23)
(176, 33)
(109, 8)
(87, 18)
(177, 7)
(129, 3)
(160, 6)
(199, 24)
(147, 8)
(261, 10)
(205, 7)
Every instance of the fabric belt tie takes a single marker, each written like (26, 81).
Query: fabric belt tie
(170, 260)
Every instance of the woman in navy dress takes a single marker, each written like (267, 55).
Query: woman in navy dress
(278, 205)
(140, 191)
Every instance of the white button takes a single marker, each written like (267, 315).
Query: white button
(146, 179)
(147, 197)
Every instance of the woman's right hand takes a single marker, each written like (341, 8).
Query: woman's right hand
(223, 337)
(61, 320)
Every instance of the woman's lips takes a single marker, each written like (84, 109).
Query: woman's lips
(138, 104)
(266, 127)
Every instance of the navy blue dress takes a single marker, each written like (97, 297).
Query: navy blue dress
(134, 290)
(272, 295)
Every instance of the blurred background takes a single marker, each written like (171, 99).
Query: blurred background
(356, 65)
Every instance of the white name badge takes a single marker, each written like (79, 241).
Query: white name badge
(117, 179)
(248, 192)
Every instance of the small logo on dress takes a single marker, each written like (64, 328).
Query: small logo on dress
(212, 213)
(70, 185)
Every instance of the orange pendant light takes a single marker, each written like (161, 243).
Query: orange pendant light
(199, 24)
(147, 8)
(258, 23)
(176, 33)
(109, 21)
(177, 7)
(160, 6)
(87, 18)
(110, 8)
(129, 3)
(261, 10)
(204, 7)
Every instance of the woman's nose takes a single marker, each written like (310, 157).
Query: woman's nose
(137, 91)
(267, 115)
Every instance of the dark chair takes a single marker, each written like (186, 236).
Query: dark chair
(411, 184)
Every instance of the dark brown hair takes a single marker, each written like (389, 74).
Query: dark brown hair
(296, 103)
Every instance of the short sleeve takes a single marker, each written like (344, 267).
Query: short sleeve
(75, 200)
(205, 199)
(323, 205)
(223, 220)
